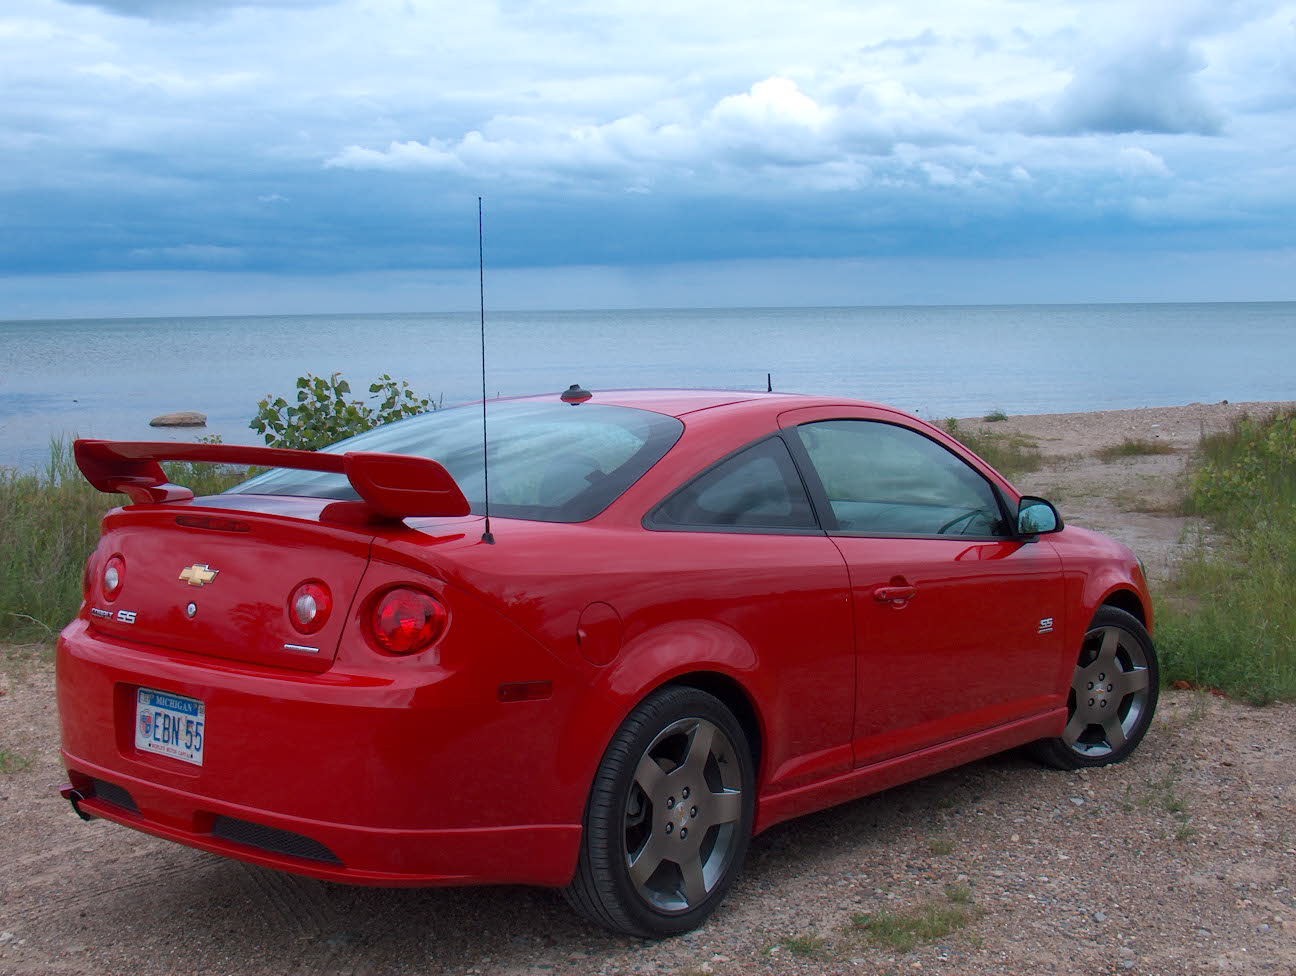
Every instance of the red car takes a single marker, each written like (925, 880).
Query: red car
(689, 616)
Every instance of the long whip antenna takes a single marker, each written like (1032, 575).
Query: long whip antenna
(481, 291)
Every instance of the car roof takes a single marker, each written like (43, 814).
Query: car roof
(678, 403)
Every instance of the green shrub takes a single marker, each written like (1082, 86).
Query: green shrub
(1247, 476)
(323, 415)
(1230, 622)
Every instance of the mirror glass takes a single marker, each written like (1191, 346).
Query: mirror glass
(1036, 516)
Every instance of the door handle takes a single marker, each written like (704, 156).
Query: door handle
(897, 596)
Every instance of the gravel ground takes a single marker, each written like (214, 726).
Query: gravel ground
(1181, 860)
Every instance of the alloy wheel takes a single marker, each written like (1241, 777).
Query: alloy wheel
(682, 814)
(1109, 693)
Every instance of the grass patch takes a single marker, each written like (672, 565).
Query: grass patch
(808, 946)
(49, 525)
(1009, 454)
(11, 762)
(959, 894)
(1133, 447)
(940, 846)
(995, 416)
(1164, 793)
(904, 931)
(1229, 620)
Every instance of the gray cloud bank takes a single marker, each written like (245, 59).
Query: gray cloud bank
(305, 137)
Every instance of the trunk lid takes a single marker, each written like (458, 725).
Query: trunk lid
(215, 578)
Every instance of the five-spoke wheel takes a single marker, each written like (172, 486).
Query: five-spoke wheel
(669, 818)
(1113, 694)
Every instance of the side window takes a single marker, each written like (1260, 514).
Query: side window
(889, 480)
(757, 488)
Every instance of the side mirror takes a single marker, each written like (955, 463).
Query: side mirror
(1035, 516)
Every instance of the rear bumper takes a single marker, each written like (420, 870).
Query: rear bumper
(420, 777)
(348, 853)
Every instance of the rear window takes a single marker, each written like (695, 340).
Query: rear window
(549, 461)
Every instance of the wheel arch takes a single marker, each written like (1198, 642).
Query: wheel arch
(734, 696)
(699, 654)
(1128, 600)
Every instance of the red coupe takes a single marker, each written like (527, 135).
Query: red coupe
(686, 617)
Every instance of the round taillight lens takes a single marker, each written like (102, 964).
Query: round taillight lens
(114, 577)
(405, 621)
(309, 606)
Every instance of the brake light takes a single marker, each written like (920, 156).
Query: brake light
(405, 621)
(309, 606)
(114, 577)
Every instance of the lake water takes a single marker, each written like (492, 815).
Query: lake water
(108, 377)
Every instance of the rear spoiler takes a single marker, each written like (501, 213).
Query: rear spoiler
(393, 486)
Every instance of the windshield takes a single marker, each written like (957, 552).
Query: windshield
(549, 461)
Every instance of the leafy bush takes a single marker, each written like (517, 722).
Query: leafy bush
(1248, 474)
(323, 415)
(1231, 619)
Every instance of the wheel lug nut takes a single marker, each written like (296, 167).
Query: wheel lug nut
(1109, 687)
(686, 792)
(670, 827)
(683, 832)
(670, 803)
(693, 812)
(1104, 703)
(1090, 701)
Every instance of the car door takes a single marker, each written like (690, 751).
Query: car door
(742, 548)
(954, 615)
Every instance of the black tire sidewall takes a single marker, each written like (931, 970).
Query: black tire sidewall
(1108, 616)
(605, 816)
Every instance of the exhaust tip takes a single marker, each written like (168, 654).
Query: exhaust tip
(74, 797)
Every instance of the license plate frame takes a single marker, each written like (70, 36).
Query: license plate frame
(170, 725)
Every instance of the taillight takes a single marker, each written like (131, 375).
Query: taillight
(405, 621)
(309, 606)
(114, 577)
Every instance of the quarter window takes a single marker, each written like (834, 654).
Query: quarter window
(757, 488)
(883, 479)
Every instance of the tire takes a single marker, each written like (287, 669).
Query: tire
(668, 819)
(1113, 695)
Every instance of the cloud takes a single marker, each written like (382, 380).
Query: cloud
(1148, 88)
(183, 9)
(773, 126)
(1137, 161)
(623, 132)
(188, 256)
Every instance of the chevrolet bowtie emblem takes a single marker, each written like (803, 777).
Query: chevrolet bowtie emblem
(199, 574)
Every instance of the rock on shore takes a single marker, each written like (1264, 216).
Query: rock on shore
(181, 418)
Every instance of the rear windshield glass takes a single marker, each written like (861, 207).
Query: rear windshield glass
(549, 462)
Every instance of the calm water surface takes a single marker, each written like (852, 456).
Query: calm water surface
(108, 377)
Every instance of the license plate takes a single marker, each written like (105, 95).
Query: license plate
(170, 725)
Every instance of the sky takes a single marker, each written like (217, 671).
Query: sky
(170, 157)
